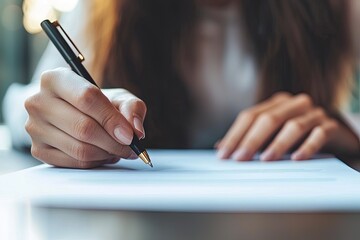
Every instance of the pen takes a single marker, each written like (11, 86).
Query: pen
(73, 57)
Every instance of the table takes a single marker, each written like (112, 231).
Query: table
(11, 160)
(58, 223)
(42, 223)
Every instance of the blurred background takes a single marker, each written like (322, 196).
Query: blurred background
(21, 39)
(22, 42)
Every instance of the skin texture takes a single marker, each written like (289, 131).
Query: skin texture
(73, 124)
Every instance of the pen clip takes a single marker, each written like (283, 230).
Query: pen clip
(72, 45)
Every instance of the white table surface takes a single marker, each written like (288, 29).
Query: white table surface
(59, 223)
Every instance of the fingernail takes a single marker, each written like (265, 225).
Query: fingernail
(267, 155)
(138, 124)
(241, 154)
(222, 153)
(123, 135)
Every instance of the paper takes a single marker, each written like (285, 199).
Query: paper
(191, 180)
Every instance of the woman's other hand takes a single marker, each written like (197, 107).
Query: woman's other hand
(73, 124)
(295, 121)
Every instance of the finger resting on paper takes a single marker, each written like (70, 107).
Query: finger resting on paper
(58, 158)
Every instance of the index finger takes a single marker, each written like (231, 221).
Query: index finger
(89, 99)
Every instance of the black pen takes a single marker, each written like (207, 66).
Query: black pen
(73, 57)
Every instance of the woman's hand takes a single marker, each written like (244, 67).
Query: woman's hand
(293, 120)
(73, 124)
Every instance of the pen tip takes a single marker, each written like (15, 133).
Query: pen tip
(146, 159)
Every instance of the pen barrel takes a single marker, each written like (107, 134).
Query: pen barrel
(136, 145)
(65, 50)
(78, 68)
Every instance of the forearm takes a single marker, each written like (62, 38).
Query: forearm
(347, 139)
(15, 114)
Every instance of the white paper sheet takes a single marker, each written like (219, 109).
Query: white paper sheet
(192, 181)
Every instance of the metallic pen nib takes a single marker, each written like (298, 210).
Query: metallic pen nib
(146, 159)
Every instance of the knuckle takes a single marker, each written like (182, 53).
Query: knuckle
(295, 125)
(29, 104)
(34, 130)
(248, 114)
(107, 119)
(80, 152)
(139, 104)
(135, 104)
(84, 128)
(30, 127)
(47, 77)
(282, 96)
(305, 99)
(32, 104)
(269, 119)
(88, 97)
(37, 152)
(321, 132)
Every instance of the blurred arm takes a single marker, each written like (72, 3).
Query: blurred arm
(353, 119)
(14, 111)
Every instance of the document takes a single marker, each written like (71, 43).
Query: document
(192, 181)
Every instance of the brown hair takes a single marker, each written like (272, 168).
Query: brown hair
(302, 46)
(299, 45)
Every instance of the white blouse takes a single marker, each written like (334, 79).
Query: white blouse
(225, 80)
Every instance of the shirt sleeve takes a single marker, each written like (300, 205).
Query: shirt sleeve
(353, 121)
(51, 57)
(14, 112)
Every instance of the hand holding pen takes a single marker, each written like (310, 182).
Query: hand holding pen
(73, 124)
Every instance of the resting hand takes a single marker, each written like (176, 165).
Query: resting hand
(73, 124)
(294, 120)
